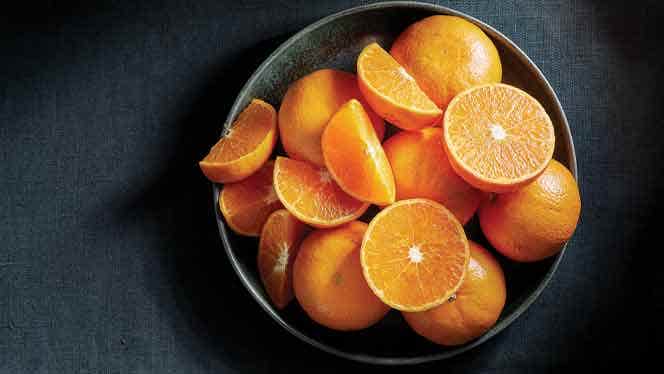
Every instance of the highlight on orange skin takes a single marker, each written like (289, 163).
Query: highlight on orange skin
(421, 169)
(328, 279)
(472, 311)
(309, 104)
(534, 222)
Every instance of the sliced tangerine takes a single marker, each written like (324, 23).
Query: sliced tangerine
(311, 195)
(246, 204)
(245, 146)
(414, 254)
(280, 241)
(497, 137)
(355, 158)
(392, 92)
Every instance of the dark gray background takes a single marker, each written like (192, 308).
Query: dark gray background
(110, 261)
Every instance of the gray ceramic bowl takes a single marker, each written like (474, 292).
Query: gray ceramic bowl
(335, 42)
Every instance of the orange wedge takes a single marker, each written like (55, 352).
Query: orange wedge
(392, 92)
(245, 146)
(246, 204)
(278, 246)
(355, 158)
(414, 255)
(497, 137)
(311, 195)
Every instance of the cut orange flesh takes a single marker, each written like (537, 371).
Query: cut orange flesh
(497, 137)
(392, 92)
(414, 254)
(245, 147)
(246, 204)
(355, 158)
(278, 246)
(309, 104)
(311, 195)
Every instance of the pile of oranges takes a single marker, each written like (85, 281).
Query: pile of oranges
(463, 143)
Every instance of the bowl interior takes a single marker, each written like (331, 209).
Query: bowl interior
(335, 42)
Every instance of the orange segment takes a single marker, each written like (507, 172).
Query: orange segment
(498, 137)
(421, 169)
(278, 246)
(355, 158)
(311, 195)
(474, 309)
(392, 92)
(447, 55)
(328, 281)
(246, 204)
(414, 254)
(307, 107)
(245, 146)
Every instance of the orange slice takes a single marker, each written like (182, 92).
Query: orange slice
(311, 195)
(309, 104)
(414, 255)
(497, 137)
(246, 204)
(278, 246)
(392, 92)
(245, 146)
(421, 169)
(355, 158)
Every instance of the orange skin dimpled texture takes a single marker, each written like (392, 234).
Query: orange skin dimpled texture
(421, 169)
(447, 55)
(474, 309)
(533, 223)
(309, 104)
(328, 280)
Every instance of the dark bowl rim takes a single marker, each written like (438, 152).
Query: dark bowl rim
(502, 324)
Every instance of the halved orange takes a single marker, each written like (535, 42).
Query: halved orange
(355, 158)
(280, 241)
(392, 92)
(245, 146)
(246, 204)
(497, 137)
(414, 254)
(311, 195)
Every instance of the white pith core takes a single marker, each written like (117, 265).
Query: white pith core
(282, 260)
(497, 132)
(414, 254)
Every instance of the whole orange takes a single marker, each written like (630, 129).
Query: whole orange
(309, 104)
(474, 309)
(421, 169)
(446, 55)
(328, 280)
(533, 222)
